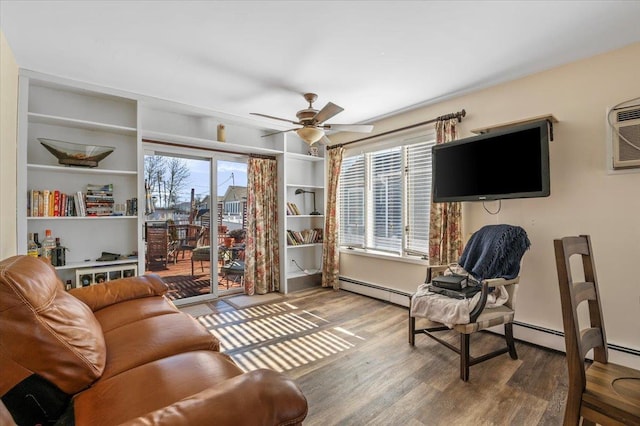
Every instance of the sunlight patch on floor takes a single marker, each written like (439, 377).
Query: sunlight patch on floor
(293, 353)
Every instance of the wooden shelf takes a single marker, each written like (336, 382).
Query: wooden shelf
(112, 217)
(304, 157)
(207, 144)
(80, 124)
(548, 117)
(304, 245)
(94, 263)
(298, 274)
(80, 170)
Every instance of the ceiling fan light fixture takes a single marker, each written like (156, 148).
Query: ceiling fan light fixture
(310, 135)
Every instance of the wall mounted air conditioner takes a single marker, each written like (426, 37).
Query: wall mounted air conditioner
(625, 124)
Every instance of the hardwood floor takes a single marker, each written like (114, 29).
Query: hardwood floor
(351, 357)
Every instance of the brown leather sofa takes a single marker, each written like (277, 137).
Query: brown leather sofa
(120, 353)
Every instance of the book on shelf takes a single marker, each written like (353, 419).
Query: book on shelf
(97, 201)
(78, 199)
(49, 203)
(56, 203)
(45, 203)
(305, 236)
(292, 209)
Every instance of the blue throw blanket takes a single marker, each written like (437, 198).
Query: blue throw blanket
(495, 251)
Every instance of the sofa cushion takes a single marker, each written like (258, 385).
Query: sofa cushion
(152, 386)
(44, 330)
(154, 338)
(114, 316)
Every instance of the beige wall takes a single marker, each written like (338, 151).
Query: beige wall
(8, 140)
(585, 198)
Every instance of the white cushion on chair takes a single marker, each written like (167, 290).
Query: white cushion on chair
(454, 312)
(440, 308)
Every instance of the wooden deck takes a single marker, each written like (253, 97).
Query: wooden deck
(182, 284)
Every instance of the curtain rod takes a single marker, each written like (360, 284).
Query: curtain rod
(457, 115)
(227, 151)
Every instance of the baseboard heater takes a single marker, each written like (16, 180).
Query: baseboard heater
(548, 338)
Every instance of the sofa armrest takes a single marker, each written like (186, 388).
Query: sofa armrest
(102, 295)
(259, 397)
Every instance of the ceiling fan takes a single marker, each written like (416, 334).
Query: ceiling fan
(313, 121)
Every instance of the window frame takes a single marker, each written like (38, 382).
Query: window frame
(405, 251)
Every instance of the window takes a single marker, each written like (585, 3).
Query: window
(385, 199)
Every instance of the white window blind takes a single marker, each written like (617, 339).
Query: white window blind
(386, 196)
(418, 188)
(351, 200)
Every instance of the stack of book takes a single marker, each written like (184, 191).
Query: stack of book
(306, 236)
(99, 200)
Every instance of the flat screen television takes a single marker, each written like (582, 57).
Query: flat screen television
(510, 163)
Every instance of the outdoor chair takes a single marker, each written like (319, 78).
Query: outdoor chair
(189, 236)
(157, 249)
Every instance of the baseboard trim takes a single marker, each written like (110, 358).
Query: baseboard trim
(530, 333)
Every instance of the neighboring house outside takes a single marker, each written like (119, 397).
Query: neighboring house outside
(234, 203)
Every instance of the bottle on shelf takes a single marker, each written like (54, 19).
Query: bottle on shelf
(38, 244)
(58, 257)
(48, 246)
(32, 247)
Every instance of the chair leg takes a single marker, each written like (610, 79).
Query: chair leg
(508, 335)
(572, 407)
(464, 356)
(412, 329)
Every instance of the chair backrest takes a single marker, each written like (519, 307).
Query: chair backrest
(157, 241)
(570, 252)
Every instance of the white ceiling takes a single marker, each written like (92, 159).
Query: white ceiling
(373, 58)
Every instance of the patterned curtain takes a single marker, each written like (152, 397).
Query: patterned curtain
(330, 252)
(445, 226)
(262, 252)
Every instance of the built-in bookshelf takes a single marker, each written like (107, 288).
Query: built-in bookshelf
(84, 206)
(304, 201)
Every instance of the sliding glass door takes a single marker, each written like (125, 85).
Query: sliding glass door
(194, 236)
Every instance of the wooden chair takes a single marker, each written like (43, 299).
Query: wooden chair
(603, 392)
(479, 319)
(492, 251)
(189, 236)
(157, 245)
(202, 251)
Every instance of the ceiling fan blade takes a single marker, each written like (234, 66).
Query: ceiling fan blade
(275, 118)
(324, 141)
(281, 131)
(329, 110)
(359, 128)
